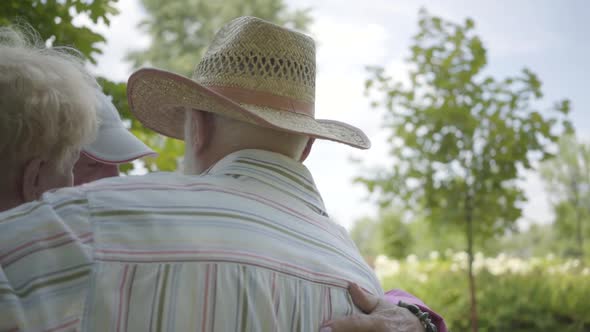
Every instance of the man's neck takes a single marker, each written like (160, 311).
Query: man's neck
(208, 160)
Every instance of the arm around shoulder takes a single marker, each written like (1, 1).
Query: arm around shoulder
(45, 261)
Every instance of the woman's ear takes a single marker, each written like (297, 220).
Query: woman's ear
(307, 149)
(31, 189)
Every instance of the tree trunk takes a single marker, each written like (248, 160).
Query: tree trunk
(469, 222)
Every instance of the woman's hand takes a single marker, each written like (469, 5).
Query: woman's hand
(379, 316)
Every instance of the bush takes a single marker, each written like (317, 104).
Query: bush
(538, 294)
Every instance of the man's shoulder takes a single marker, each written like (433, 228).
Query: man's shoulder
(169, 181)
(129, 180)
(164, 189)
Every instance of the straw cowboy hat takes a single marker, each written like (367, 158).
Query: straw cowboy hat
(254, 71)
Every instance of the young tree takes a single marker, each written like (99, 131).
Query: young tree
(180, 31)
(567, 177)
(459, 137)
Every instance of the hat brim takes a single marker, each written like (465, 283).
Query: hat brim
(159, 98)
(117, 146)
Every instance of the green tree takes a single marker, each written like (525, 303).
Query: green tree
(567, 177)
(365, 233)
(52, 19)
(458, 136)
(180, 31)
(440, 237)
(387, 234)
(396, 238)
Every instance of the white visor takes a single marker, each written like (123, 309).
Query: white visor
(114, 144)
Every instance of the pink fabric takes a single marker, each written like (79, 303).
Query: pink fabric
(396, 295)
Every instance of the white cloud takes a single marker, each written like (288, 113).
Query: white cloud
(338, 94)
(354, 44)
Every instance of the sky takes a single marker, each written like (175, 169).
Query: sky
(548, 37)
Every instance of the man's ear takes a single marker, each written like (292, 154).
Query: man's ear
(307, 149)
(202, 128)
(31, 187)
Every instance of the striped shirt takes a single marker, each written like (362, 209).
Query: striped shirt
(247, 246)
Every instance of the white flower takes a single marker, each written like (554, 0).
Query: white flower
(385, 267)
(412, 259)
(460, 256)
(478, 256)
(422, 277)
(434, 255)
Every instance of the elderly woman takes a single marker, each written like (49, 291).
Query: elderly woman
(47, 113)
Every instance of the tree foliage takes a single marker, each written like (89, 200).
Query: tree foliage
(459, 137)
(387, 234)
(180, 31)
(395, 235)
(428, 237)
(53, 20)
(567, 177)
(365, 234)
(517, 295)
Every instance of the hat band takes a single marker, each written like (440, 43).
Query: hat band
(259, 98)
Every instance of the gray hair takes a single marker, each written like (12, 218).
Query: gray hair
(47, 100)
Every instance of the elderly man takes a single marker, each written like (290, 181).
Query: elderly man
(47, 113)
(113, 146)
(242, 242)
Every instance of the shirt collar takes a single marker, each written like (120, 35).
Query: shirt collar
(276, 170)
